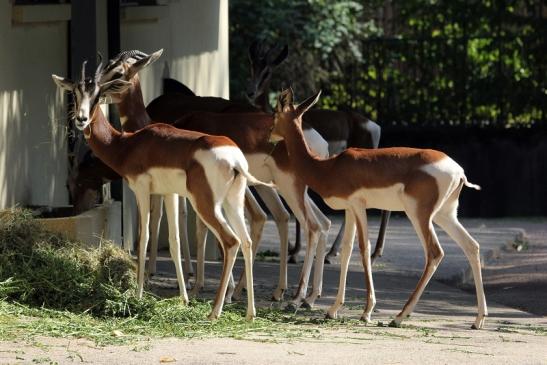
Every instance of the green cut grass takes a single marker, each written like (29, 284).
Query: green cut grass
(52, 286)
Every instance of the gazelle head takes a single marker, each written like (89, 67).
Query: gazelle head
(263, 60)
(127, 64)
(89, 92)
(286, 113)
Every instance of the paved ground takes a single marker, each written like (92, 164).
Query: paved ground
(437, 333)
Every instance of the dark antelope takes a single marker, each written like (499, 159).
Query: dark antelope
(341, 129)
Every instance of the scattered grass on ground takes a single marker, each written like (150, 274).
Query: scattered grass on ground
(52, 286)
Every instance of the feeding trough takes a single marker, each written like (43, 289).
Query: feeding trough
(92, 226)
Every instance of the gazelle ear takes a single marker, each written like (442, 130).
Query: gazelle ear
(285, 100)
(280, 57)
(63, 83)
(114, 87)
(308, 103)
(145, 61)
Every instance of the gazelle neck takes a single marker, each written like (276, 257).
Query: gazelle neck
(133, 115)
(310, 167)
(104, 140)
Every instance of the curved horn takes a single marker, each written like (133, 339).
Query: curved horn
(99, 68)
(82, 77)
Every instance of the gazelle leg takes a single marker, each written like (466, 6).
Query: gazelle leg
(230, 245)
(230, 253)
(172, 210)
(281, 217)
(421, 220)
(156, 210)
(347, 248)
(230, 289)
(296, 202)
(379, 248)
(234, 214)
(183, 233)
(201, 241)
(143, 203)
(450, 224)
(335, 248)
(312, 234)
(364, 248)
(319, 256)
(258, 219)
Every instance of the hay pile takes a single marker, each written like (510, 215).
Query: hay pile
(45, 269)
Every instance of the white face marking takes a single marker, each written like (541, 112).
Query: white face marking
(83, 105)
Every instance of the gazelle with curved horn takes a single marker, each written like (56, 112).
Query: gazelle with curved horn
(266, 161)
(425, 184)
(341, 129)
(160, 159)
(168, 108)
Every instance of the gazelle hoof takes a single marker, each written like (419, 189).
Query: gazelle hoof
(331, 315)
(278, 294)
(306, 305)
(291, 308)
(212, 316)
(394, 324)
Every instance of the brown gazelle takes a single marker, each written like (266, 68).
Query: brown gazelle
(341, 129)
(265, 162)
(168, 108)
(211, 171)
(425, 184)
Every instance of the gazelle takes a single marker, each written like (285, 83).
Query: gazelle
(168, 108)
(132, 113)
(246, 129)
(160, 159)
(425, 184)
(341, 129)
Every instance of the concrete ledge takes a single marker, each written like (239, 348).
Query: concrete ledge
(102, 222)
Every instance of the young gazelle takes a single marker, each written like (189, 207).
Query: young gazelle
(425, 184)
(210, 171)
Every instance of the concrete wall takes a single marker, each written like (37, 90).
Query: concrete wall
(33, 151)
(33, 157)
(194, 36)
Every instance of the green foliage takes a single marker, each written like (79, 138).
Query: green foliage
(427, 62)
(323, 35)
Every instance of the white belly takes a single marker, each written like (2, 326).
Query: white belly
(161, 180)
(388, 198)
